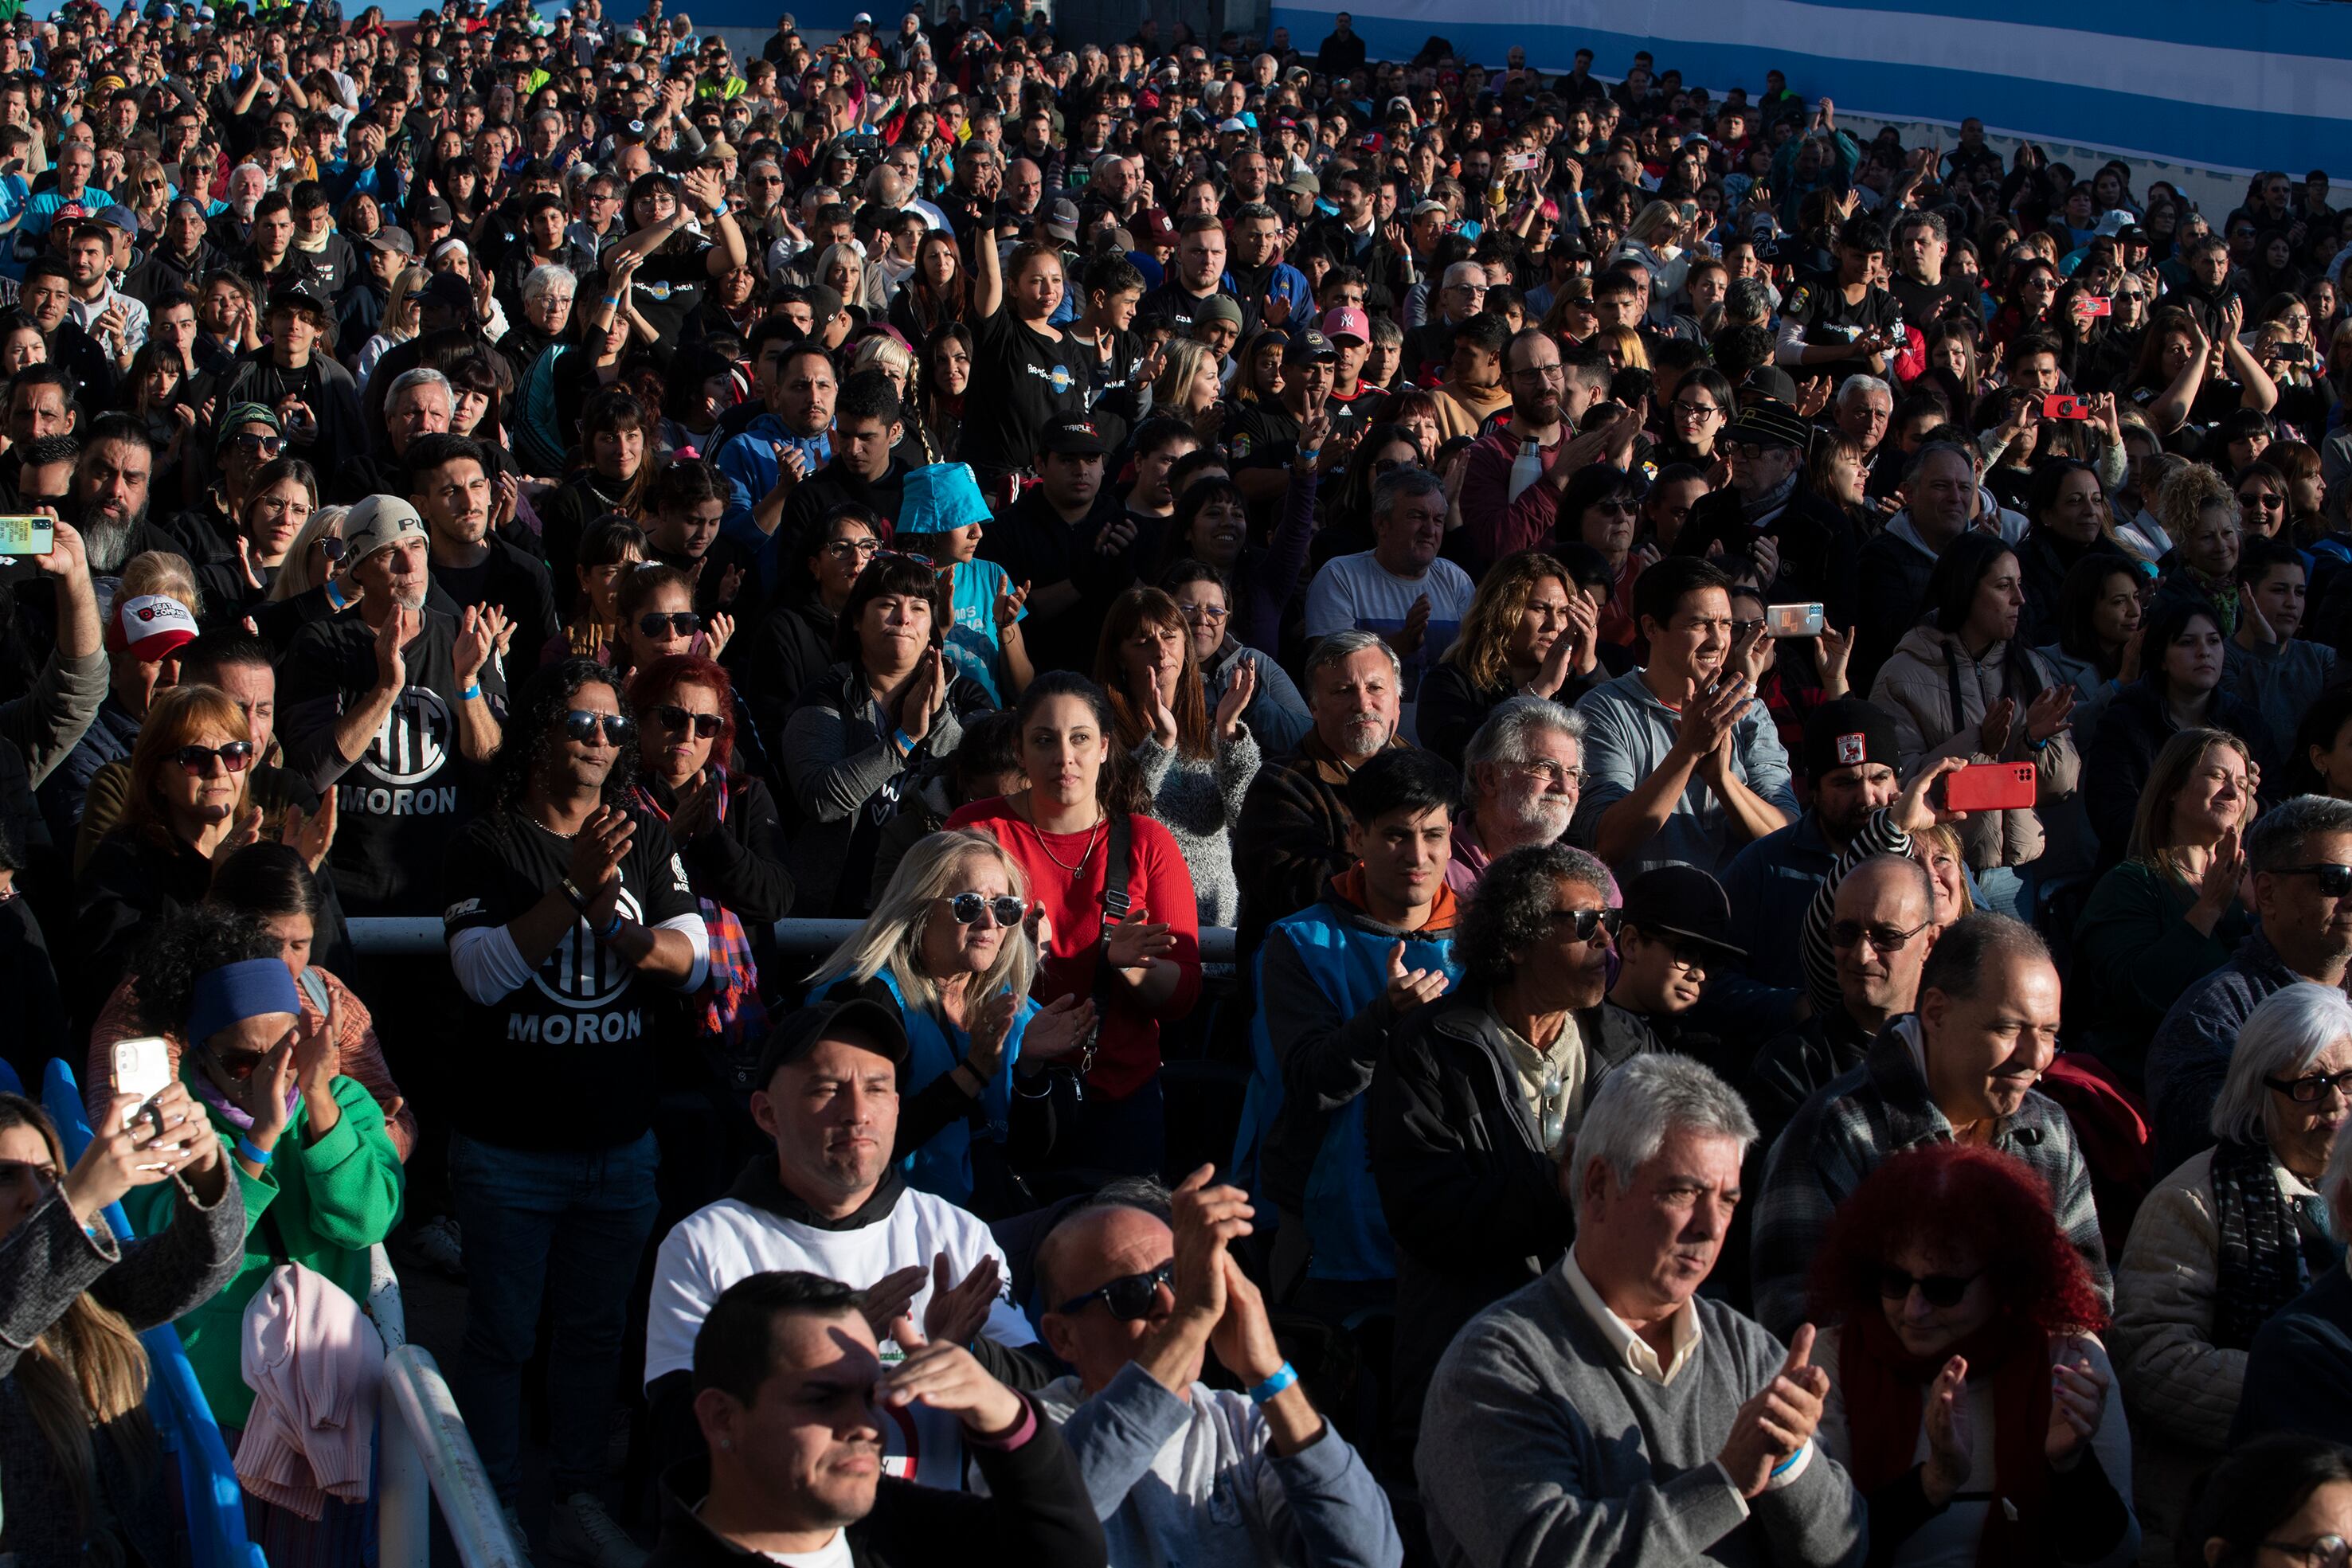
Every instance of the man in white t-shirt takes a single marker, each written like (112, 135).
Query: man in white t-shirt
(831, 1203)
(1399, 588)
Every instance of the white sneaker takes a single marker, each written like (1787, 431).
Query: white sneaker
(582, 1532)
(436, 1244)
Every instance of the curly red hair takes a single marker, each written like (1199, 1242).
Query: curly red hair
(650, 686)
(1959, 1199)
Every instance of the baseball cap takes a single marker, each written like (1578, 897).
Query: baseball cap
(1309, 345)
(1682, 901)
(433, 210)
(447, 289)
(241, 415)
(119, 217)
(634, 36)
(1154, 227)
(378, 522)
(1423, 208)
(149, 626)
(1232, 126)
(392, 238)
(1347, 321)
(1073, 436)
(864, 1020)
(1303, 186)
(300, 293)
(824, 304)
(861, 20)
(1062, 220)
(1772, 381)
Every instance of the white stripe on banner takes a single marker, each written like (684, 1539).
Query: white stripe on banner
(2186, 75)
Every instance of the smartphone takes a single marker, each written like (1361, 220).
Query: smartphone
(27, 534)
(142, 1066)
(2098, 304)
(2064, 405)
(1990, 787)
(1793, 621)
(1522, 162)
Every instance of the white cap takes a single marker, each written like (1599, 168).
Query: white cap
(379, 522)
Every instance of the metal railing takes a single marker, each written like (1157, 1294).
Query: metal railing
(412, 936)
(428, 1458)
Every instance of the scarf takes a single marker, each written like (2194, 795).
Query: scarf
(1884, 1387)
(733, 1017)
(2261, 1266)
(2223, 595)
(1770, 501)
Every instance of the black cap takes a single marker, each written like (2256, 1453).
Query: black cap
(433, 210)
(1309, 344)
(1682, 901)
(300, 293)
(1771, 423)
(1073, 436)
(861, 1019)
(1848, 733)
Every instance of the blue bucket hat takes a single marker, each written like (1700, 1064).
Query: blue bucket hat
(939, 498)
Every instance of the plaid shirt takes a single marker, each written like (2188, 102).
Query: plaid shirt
(1843, 1133)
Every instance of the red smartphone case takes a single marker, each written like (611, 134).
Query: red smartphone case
(1990, 787)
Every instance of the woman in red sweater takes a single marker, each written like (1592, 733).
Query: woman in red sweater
(1141, 966)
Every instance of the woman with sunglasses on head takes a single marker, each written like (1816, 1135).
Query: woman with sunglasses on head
(1079, 818)
(570, 931)
(1278, 714)
(725, 825)
(317, 1169)
(2231, 1236)
(1970, 1396)
(949, 946)
(877, 722)
(82, 1478)
(310, 584)
(2170, 913)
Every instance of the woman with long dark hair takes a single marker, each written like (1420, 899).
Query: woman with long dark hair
(1969, 1396)
(1964, 685)
(613, 471)
(2281, 1500)
(570, 931)
(938, 294)
(946, 375)
(1137, 954)
(1025, 371)
(81, 1476)
(2097, 625)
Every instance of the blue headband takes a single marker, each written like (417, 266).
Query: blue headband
(235, 992)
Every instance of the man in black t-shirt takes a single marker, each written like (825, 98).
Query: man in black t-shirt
(1918, 283)
(572, 928)
(1037, 542)
(1198, 277)
(453, 488)
(385, 704)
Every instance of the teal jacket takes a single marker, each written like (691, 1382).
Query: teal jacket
(320, 1205)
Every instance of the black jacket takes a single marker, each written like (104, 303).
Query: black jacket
(2131, 732)
(1036, 1515)
(1473, 1201)
(2043, 559)
(1450, 710)
(782, 656)
(1818, 547)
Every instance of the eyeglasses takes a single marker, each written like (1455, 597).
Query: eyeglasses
(197, 761)
(1196, 613)
(581, 725)
(1886, 938)
(1941, 1290)
(1129, 1297)
(1696, 409)
(1582, 923)
(1547, 373)
(842, 550)
(2334, 881)
(669, 623)
(267, 446)
(678, 720)
(2313, 1087)
(2326, 1551)
(1558, 775)
(967, 906)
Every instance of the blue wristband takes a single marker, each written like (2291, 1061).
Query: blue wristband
(1283, 1378)
(246, 1149)
(612, 930)
(906, 744)
(1783, 1467)
(470, 693)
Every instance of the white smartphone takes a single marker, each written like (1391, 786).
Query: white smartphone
(1793, 621)
(143, 1067)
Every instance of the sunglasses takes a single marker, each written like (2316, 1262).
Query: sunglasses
(2313, 1087)
(330, 545)
(902, 555)
(2334, 881)
(1128, 1297)
(2261, 499)
(1941, 1290)
(197, 761)
(1886, 938)
(1213, 613)
(967, 906)
(581, 725)
(1582, 923)
(267, 446)
(673, 623)
(678, 720)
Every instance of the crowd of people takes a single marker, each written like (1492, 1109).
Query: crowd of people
(1568, 819)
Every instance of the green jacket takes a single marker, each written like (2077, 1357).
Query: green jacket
(320, 1205)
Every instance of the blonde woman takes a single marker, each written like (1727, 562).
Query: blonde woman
(310, 584)
(400, 313)
(842, 268)
(952, 946)
(1188, 387)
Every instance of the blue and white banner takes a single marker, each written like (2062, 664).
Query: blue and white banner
(2228, 85)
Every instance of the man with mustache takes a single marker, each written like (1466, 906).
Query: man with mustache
(792, 1396)
(1524, 768)
(828, 1198)
(1961, 1069)
(110, 495)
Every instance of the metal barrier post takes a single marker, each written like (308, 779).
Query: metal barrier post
(438, 1450)
(416, 936)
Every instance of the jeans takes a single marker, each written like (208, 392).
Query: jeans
(2002, 891)
(568, 1229)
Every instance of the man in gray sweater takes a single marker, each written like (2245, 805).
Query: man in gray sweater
(1606, 1414)
(1181, 1472)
